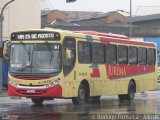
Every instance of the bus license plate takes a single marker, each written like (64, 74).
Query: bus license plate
(31, 91)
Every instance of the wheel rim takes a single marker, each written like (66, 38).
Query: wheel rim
(132, 92)
(82, 95)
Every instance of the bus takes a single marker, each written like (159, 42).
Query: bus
(48, 63)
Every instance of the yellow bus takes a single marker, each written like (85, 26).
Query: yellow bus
(79, 65)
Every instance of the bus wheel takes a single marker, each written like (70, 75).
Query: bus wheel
(37, 101)
(82, 95)
(131, 92)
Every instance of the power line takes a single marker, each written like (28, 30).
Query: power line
(46, 5)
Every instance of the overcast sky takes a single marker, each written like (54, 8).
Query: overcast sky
(138, 6)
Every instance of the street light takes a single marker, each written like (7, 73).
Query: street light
(130, 19)
(1, 37)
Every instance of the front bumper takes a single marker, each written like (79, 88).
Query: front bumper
(55, 91)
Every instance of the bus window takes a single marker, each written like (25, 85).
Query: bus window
(97, 53)
(133, 55)
(151, 55)
(84, 52)
(111, 54)
(69, 55)
(122, 54)
(142, 56)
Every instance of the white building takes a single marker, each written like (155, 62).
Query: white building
(20, 15)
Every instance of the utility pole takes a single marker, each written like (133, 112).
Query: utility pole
(1, 43)
(130, 28)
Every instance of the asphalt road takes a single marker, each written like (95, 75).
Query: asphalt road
(146, 106)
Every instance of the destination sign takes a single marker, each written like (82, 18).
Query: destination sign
(35, 36)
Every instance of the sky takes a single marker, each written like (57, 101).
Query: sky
(138, 6)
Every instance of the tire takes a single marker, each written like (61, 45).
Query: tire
(131, 93)
(37, 101)
(82, 97)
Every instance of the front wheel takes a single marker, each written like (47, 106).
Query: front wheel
(37, 101)
(82, 97)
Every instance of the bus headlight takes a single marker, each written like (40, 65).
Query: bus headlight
(56, 82)
(12, 83)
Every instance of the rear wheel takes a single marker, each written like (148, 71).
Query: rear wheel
(37, 101)
(131, 92)
(82, 97)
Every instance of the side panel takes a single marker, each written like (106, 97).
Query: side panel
(68, 87)
(109, 87)
(122, 86)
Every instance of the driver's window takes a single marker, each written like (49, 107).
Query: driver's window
(69, 54)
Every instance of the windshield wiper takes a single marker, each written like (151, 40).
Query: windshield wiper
(30, 56)
(24, 47)
(50, 51)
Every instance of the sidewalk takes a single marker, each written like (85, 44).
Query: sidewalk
(4, 93)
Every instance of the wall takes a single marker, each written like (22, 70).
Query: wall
(21, 15)
(54, 15)
(115, 16)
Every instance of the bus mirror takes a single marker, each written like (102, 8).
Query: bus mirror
(6, 50)
(68, 54)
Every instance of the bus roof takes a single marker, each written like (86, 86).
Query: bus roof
(103, 34)
(116, 38)
(103, 37)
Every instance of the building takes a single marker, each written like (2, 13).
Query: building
(48, 17)
(20, 15)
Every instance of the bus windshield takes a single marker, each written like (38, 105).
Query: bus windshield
(35, 58)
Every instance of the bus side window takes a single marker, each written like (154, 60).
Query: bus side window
(84, 52)
(98, 53)
(133, 55)
(111, 54)
(122, 54)
(151, 56)
(142, 56)
(69, 55)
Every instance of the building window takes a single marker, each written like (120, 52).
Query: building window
(98, 53)
(111, 54)
(84, 52)
(122, 55)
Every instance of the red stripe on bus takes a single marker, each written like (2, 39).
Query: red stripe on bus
(117, 71)
(108, 40)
